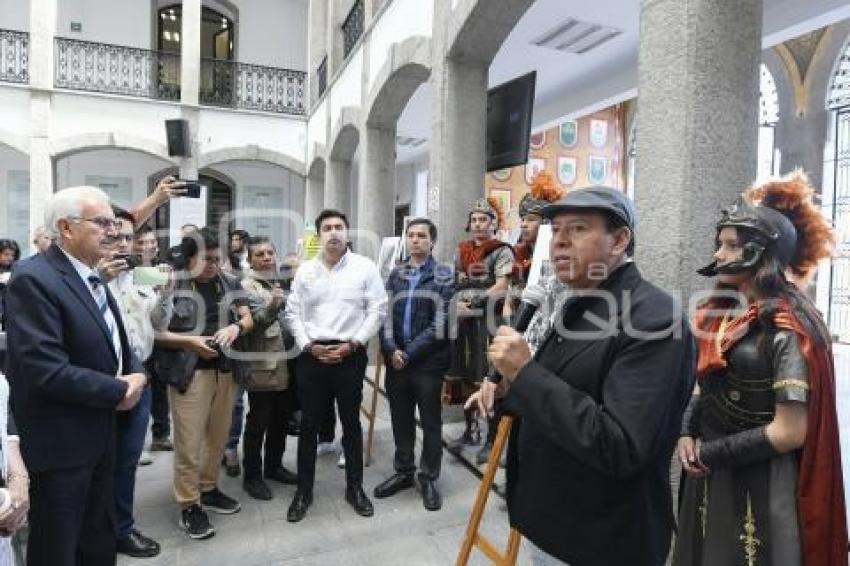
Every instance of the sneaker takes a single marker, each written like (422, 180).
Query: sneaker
(145, 459)
(325, 448)
(161, 445)
(215, 500)
(341, 462)
(195, 522)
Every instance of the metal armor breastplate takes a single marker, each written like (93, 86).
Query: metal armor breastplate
(741, 396)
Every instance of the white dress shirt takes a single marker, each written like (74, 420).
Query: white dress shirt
(346, 302)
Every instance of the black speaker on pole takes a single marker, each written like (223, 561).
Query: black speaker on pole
(177, 134)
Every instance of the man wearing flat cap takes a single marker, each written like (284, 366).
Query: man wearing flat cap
(600, 403)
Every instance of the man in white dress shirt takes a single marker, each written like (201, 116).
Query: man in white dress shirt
(336, 305)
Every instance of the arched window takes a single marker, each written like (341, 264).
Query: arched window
(768, 159)
(836, 197)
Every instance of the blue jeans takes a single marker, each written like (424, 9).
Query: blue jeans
(130, 441)
(236, 423)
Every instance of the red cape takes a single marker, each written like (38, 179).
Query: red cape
(820, 488)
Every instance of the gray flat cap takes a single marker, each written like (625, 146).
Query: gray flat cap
(605, 199)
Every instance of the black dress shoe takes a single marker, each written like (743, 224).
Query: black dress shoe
(138, 545)
(282, 475)
(393, 485)
(257, 488)
(431, 498)
(356, 497)
(298, 508)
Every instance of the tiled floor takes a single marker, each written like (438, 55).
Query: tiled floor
(401, 532)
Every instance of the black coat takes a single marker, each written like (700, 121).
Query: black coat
(589, 463)
(61, 364)
(428, 350)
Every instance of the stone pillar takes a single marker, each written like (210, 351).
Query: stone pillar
(457, 155)
(314, 200)
(190, 52)
(190, 81)
(41, 60)
(337, 177)
(377, 183)
(698, 78)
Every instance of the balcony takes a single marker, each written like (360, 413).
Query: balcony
(251, 87)
(14, 56)
(116, 69)
(130, 71)
(352, 27)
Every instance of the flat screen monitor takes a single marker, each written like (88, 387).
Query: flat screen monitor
(509, 111)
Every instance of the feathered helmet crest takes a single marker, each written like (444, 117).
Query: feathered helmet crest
(779, 214)
(544, 191)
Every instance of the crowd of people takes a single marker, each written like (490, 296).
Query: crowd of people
(106, 336)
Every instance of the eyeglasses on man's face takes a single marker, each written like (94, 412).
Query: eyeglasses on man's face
(102, 222)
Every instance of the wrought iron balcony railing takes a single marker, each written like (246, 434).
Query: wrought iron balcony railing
(14, 56)
(352, 27)
(322, 75)
(116, 69)
(251, 87)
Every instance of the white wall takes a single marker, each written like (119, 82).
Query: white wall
(278, 192)
(273, 33)
(411, 185)
(347, 90)
(120, 22)
(75, 114)
(401, 20)
(117, 164)
(15, 113)
(14, 196)
(15, 14)
(220, 129)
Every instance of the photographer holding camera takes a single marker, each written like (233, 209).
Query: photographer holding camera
(143, 308)
(210, 313)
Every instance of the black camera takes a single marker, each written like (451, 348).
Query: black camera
(193, 189)
(131, 260)
(222, 362)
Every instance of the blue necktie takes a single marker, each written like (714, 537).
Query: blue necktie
(102, 304)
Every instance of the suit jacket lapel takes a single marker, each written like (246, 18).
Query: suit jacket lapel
(78, 287)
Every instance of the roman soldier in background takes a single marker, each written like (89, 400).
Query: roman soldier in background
(483, 266)
(544, 191)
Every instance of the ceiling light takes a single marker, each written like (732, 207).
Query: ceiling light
(575, 36)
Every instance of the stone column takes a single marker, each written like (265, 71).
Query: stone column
(314, 199)
(377, 183)
(190, 81)
(698, 80)
(457, 156)
(41, 61)
(337, 178)
(190, 52)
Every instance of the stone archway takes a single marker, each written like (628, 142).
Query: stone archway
(64, 147)
(346, 139)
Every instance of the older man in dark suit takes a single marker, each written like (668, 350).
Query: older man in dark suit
(70, 367)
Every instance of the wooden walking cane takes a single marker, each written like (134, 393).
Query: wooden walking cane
(472, 537)
(371, 414)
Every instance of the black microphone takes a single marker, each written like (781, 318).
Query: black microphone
(532, 297)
